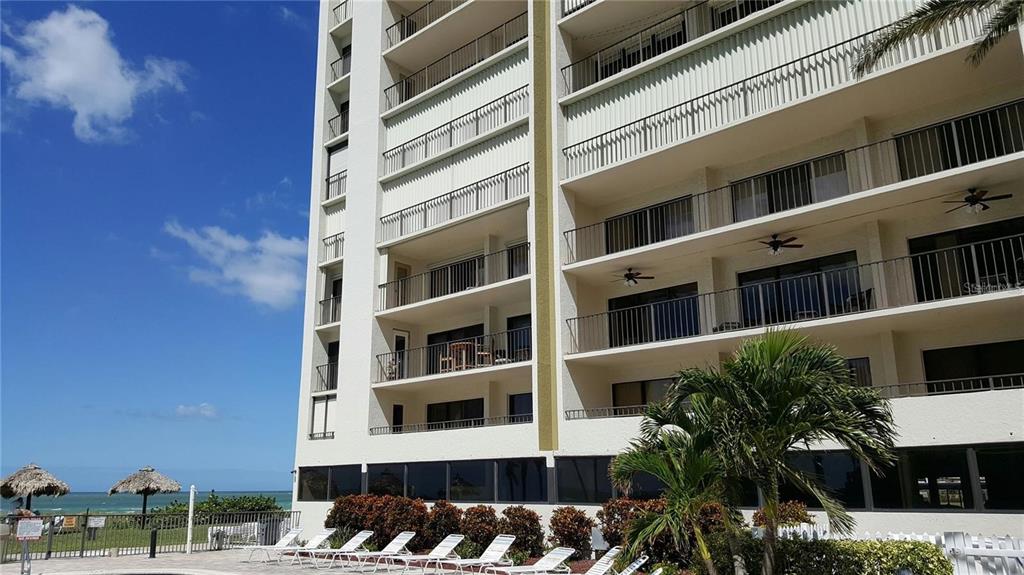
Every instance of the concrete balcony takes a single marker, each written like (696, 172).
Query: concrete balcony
(332, 249)
(329, 312)
(339, 74)
(780, 107)
(336, 188)
(326, 378)
(456, 62)
(973, 282)
(480, 198)
(340, 18)
(491, 353)
(452, 425)
(337, 129)
(985, 146)
(441, 26)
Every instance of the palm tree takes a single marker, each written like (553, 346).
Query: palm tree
(689, 473)
(934, 14)
(779, 393)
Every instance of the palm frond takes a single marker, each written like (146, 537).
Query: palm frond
(839, 519)
(928, 17)
(1007, 17)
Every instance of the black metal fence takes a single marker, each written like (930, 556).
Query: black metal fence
(419, 19)
(452, 424)
(337, 125)
(966, 270)
(457, 61)
(330, 310)
(488, 350)
(104, 535)
(337, 185)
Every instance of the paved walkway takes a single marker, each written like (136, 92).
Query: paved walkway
(200, 563)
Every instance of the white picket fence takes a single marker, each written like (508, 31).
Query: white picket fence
(970, 554)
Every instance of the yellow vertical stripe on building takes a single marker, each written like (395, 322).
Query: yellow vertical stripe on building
(543, 218)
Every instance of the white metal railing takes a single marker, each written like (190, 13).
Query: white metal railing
(768, 90)
(341, 12)
(960, 141)
(492, 115)
(337, 185)
(510, 184)
(966, 270)
(332, 247)
(951, 386)
(570, 6)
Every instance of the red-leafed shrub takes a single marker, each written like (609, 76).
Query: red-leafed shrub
(791, 513)
(616, 514)
(571, 527)
(443, 520)
(386, 515)
(525, 525)
(479, 525)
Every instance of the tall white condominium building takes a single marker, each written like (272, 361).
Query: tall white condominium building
(487, 173)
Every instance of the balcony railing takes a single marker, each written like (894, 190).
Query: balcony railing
(801, 78)
(672, 32)
(605, 412)
(454, 278)
(570, 6)
(341, 67)
(502, 348)
(336, 186)
(510, 184)
(490, 116)
(321, 435)
(341, 12)
(419, 19)
(455, 424)
(950, 144)
(970, 269)
(326, 377)
(330, 310)
(337, 125)
(461, 59)
(332, 247)
(951, 386)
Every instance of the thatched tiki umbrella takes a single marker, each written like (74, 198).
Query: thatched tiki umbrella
(32, 480)
(145, 482)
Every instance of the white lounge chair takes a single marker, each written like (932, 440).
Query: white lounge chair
(604, 564)
(314, 543)
(635, 565)
(553, 562)
(493, 556)
(353, 545)
(444, 550)
(285, 541)
(395, 547)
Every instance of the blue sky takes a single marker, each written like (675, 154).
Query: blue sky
(155, 184)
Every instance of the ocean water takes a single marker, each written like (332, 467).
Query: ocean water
(100, 502)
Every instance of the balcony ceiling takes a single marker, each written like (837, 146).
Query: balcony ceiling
(513, 290)
(924, 83)
(466, 234)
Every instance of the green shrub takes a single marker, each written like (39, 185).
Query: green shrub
(216, 504)
(480, 526)
(571, 527)
(443, 520)
(385, 515)
(616, 514)
(525, 525)
(791, 513)
(834, 557)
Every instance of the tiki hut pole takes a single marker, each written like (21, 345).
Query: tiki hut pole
(32, 480)
(145, 482)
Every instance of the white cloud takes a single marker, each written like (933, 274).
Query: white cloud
(267, 270)
(288, 16)
(68, 60)
(203, 410)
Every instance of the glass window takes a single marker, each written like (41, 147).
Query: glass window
(426, 480)
(472, 481)
(583, 479)
(386, 479)
(860, 367)
(313, 483)
(646, 486)
(837, 472)
(939, 479)
(345, 480)
(640, 392)
(886, 490)
(520, 407)
(1000, 470)
(803, 290)
(522, 480)
(666, 313)
(455, 411)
